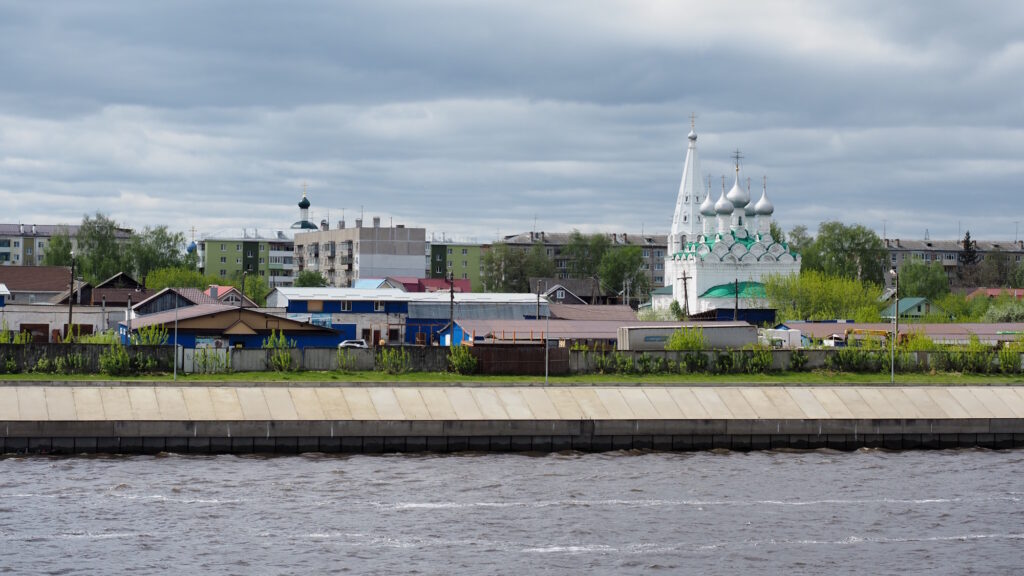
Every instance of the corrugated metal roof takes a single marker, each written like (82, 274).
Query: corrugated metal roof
(592, 312)
(395, 295)
(943, 333)
(570, 329)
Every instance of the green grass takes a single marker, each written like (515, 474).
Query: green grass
(341, 378)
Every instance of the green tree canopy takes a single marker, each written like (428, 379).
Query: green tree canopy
(921, 279)
(155, 248)
(584, 253)
(995, 270)
(849, 251)
(814, 295)
(536, 264)
(101, 255)
(178, 277)
(58, 251)
(621, 269)
(310, 279)
(503, 269)
(776, 233)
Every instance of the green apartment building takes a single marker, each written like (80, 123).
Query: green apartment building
(267, 256)
(461, 259)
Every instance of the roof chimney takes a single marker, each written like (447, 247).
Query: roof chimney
(376, 221)
(341, 223)
(359, 222)
(324, 225)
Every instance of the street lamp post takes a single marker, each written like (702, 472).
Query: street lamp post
(895, 324)
(71, 297)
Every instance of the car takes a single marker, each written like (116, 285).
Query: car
(359, 343)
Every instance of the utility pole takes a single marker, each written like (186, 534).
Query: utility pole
(451, 305)
(71, 297)
(686, 296)
(736, 306)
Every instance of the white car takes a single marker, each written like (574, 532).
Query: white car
(360, 343)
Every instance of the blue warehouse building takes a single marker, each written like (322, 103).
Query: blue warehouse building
(395, 316)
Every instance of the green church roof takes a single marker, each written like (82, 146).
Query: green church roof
(746, 290)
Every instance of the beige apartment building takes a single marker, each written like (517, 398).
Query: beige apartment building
(344, 255)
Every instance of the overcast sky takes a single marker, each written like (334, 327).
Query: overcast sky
(475, 119)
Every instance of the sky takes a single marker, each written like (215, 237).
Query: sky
(478, 119)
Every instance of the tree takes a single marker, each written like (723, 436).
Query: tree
(849, 251)
(310, 279)
(101, 253)
(178, 277)
(584, 253)
(994, 270)
(967, 261)
(621, 269)
(154, 248)
(778, 236)
(919, 278)
(799, 239)
(254, 286)
(58, 251)
(1017, 276)
(503, 269)
(676, 310)
(537, 264)
(814, 295)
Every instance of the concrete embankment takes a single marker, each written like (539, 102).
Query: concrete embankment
(244, 419)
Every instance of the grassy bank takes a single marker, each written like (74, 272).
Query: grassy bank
(820, 378)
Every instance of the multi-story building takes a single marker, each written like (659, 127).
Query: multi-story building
(268, 255)
(344, 255)
(653, 249)
(947, 252)
(461, 260)
(26, 244)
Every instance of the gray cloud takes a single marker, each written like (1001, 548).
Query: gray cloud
(473, 119)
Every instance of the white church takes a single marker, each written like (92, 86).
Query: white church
(720, 250)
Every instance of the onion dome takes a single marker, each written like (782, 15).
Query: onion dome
(707, 207)
(191, 247)
(723, 206)
(304, 203)
(764, 206)
(738, 196)
(692, 136)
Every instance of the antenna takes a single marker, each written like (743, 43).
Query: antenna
(693, 121)
(926, 235)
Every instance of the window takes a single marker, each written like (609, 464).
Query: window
(28, 251)
(439, 258)
(659, 266)
(560, 295)
(378, 306)
(437, 270)
(465, 251)
(465, 276)
(263, 272)
(450, 251)
(449, 264)
(223, 246)
(223, 260)
(40, 244)
(465, 264)
(238, 247)
(263, 247)
(238, 260)
(223, 273)
(261, 260)
(17, 244)
(647, 253)
(658, 253)
(346, 306)
(5, 243)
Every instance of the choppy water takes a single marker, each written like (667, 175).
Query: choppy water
(868, 512)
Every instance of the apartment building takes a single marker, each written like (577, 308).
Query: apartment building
(343, 255)
(461, 260)
(653, 248)
(26, 244)
(947, 252)
(269, 255)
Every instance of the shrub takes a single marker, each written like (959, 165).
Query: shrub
(152, 335)
(1009, 360)
(115, 361)
(758, 359)
(686, 339)
(346, 360)
(212, 361)
(857, 360)
(280, 358)
(723, 363)
(393, 360)
(695, 362)
(797, 360)
(461, 360)
(42, 365)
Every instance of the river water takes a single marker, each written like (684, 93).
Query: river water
(865, 512)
